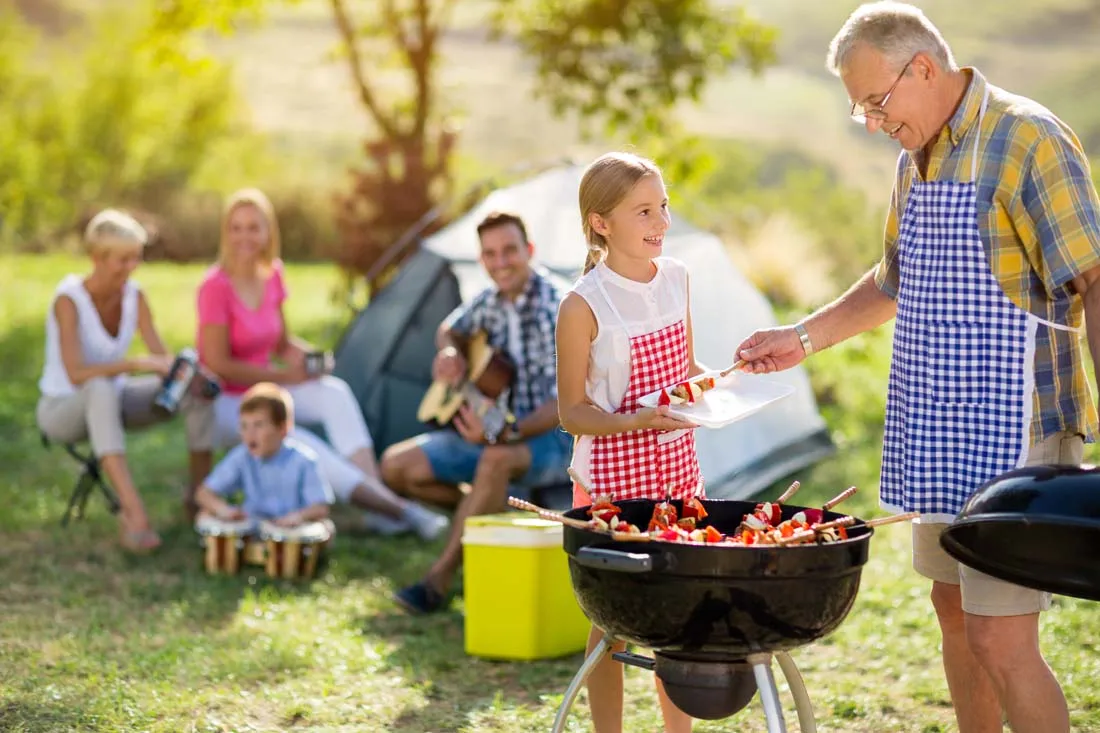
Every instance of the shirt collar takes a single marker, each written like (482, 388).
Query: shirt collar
(528, 294)
(970, 106)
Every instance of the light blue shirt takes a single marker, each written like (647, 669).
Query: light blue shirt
(286, 482)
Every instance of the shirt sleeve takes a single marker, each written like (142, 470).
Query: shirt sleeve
(226, 476)
(466, 318)
(887, 276)
(213, 301)
(547, 322)
(1057, 213)
(314, 488)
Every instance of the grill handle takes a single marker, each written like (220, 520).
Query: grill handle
(600, 558)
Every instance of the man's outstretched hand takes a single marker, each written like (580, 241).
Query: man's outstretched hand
(770, 350)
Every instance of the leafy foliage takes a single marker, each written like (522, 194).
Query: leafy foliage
(124, 119)
(623, 63)
(628, 63)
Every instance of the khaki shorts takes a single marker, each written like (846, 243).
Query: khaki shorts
(983, 595)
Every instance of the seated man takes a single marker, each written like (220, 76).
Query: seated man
(518, 316)
(280, 478)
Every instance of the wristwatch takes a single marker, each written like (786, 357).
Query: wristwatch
(804, 338)
(508, 434)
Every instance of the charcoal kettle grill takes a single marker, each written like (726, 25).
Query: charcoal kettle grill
(715, 616)
(1038, 527)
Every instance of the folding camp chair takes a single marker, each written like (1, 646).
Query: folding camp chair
(86, 482)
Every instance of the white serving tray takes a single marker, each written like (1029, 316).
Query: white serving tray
(734, 397)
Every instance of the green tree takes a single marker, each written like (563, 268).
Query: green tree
(122, 110)
(621, 66)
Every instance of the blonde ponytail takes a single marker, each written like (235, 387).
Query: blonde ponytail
(605, 183)
(595, 255)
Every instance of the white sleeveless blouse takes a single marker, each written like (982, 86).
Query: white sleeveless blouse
(97, 346)
(644, 308)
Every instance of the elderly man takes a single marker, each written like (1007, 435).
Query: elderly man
(518, 315)
(992, 255)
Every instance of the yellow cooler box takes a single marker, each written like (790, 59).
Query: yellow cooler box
(519, 600)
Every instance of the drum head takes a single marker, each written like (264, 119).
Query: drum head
(308, 533)
(209, 526)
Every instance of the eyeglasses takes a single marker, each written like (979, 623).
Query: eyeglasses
(861, 113)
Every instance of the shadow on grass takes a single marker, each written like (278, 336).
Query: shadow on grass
(29, 715)
(429, 652)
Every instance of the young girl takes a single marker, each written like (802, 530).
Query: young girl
(624, 330)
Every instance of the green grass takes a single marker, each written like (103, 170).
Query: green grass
(91, 640)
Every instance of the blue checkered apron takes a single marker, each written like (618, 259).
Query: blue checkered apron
(959, 400)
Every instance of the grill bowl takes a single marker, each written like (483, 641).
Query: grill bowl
(713, 603)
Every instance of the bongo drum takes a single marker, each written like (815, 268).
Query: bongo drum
(292, 552)
(225, 542)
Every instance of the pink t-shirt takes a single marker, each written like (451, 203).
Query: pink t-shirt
(253, 334)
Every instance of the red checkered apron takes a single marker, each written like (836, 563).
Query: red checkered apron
(647, 464)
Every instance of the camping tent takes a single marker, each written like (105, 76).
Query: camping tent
(385, 355)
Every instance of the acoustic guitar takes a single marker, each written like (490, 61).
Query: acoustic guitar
(489, 372)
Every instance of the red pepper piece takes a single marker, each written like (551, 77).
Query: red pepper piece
(664, 399)
(694, 508)
(813, 516)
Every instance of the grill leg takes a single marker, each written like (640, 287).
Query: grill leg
(802, 704)
(769, 695)
(578, 682)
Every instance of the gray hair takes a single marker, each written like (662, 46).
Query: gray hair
(112, 226)
(898, 31)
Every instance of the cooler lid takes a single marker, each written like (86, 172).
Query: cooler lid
(511, 529)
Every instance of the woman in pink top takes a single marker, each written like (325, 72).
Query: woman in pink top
(244, 339)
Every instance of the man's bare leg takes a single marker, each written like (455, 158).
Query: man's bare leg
(498, 465)
(1007, 647)
(407, 470)
(977, 709)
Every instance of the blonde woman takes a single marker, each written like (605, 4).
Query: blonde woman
(88, 390)
(244, 339)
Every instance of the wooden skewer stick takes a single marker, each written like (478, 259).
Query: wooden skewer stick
(842, 522)
(838, 498)
(732, 367)
(802, 534)
(576, 523)
(890, 520)
(786, 495)
(547, 514)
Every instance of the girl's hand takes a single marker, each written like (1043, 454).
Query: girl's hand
(658, 418)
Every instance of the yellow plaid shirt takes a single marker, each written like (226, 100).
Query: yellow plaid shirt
(1039, 218)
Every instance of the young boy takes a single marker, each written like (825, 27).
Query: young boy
(280, 478)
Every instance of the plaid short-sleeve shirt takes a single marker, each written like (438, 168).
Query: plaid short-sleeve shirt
(537, 308)
(1039, 218)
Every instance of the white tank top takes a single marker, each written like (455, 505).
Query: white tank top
(97, 346)
(644, 308)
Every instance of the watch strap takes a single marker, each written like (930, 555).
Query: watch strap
(804, 337)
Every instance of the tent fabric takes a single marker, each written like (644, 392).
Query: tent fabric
(386, 353)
